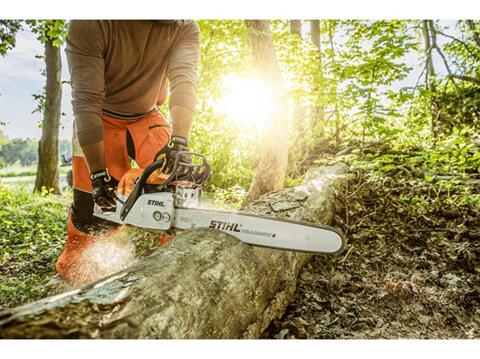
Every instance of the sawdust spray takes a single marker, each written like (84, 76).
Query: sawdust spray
(111, 253)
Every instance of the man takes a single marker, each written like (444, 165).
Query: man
(119, 72)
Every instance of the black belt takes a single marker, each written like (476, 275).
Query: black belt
(123, 116)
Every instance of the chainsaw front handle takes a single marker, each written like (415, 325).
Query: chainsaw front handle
(190, 171)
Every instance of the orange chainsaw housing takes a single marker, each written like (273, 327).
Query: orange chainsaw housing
(130, 178)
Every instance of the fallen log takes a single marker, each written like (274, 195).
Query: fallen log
(203, 284)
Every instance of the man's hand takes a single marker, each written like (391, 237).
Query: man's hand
(168, 152)
(103, 192)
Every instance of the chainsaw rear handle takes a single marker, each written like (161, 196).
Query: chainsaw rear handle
(190, 170)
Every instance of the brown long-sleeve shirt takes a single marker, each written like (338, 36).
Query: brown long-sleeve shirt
(123, 66)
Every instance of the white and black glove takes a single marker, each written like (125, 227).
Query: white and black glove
(103, 192)
(168, 152)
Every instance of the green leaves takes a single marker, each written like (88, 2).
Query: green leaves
(8, 30)
(23, 151)
(349, 81)
(49, 30)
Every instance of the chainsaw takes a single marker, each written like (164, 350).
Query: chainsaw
(175, 204)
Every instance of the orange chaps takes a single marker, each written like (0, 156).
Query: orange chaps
(148, 134)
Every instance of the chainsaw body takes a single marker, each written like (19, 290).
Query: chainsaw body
(155, 210)
(153, 206)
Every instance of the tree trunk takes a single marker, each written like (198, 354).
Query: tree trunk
(47, 171)
(272, 164)
(299, 113)
(202, 284)
(336, 111)
(319, 109)
(430, 76)
(428, 52)
(315, 33)
(296, 27)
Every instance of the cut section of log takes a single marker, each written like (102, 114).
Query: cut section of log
(203, 284)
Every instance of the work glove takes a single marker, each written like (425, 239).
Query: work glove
(168, 152)
(103, 192)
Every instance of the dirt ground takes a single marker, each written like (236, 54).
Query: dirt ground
(409, 270)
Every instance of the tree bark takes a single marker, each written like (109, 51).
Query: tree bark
(47, 171)
(272, 164)
(428, 52)
(319, 110)
(430, 77)
(296, 27)
(475, 34)
(315, 33)
(338, 126)
(299, 112)
(466, 78)
(202, 284)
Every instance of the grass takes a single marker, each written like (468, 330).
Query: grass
(32, 234)
(17, 170)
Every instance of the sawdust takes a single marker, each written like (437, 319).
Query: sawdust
(113, 251)
(408, 271)
(105, 257)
